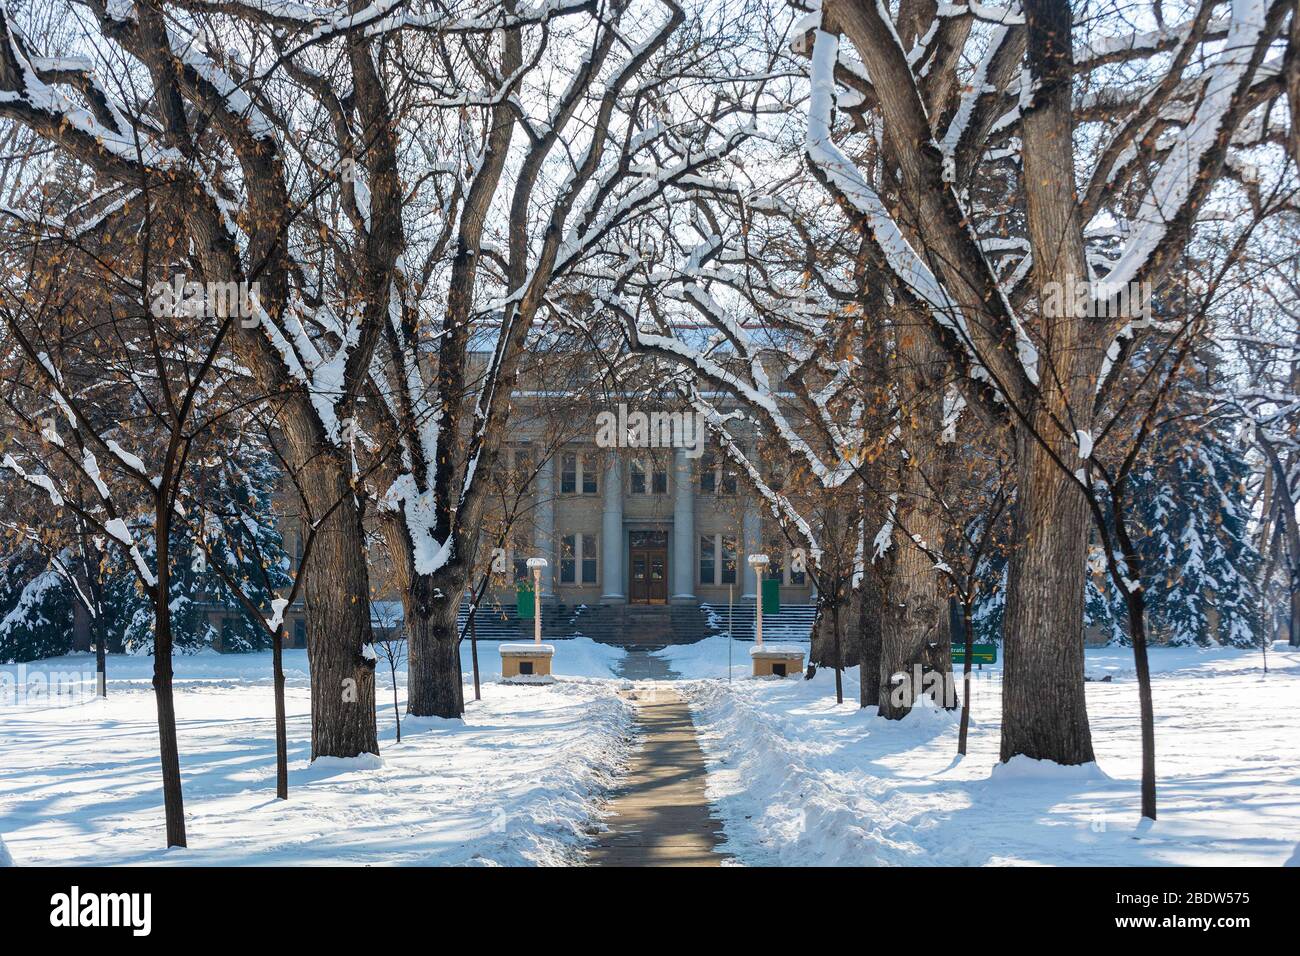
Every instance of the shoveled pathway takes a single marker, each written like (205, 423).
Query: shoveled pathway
(661, 817)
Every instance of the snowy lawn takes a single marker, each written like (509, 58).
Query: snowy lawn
(517, 782)
(795, 778)
(799, 780)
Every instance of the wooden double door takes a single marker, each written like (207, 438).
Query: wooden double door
(648, 567)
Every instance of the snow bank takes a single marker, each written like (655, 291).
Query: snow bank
(518, 781)
(800, 780)
(1021, 770)
(5, 858)
(579, 657)
(779, 775)
(709, 657)
(329, 766)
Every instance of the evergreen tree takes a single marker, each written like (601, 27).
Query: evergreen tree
(1200, 561)
(249, 546)
(35, 608)
(1201, 565)
(244, 544)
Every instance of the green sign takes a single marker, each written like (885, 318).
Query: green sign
(524, 602)
(771, 597)
(980, 653)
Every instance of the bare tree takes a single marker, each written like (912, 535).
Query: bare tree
(975, 243)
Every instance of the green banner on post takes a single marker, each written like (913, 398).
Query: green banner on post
(524, 602)
(771, 597)
(980, 653)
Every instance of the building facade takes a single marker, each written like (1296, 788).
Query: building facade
(630, 526)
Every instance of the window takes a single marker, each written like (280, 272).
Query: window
(523, 469)
(775, 570)
(578, 557)
(652, 478)
(299, 633)
(519, 558)
(568, 558)
(728, 569)
(579, 472)
(589, 559)
(708, 564)
(297, 551)
(708, 474)
(716, 477)
(717, 559)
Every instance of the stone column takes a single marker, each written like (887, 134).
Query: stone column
(544, 526)
(683, 529)
(752, 530)
(611, 532)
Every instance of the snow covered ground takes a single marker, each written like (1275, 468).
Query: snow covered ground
(517, 782)
(796, 779)
(800, 780)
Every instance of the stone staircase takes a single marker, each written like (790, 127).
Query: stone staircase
(641, 626)
(792, 624)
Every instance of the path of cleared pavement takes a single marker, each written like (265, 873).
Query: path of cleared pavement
(660, 816)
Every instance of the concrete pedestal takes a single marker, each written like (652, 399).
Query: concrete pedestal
(776, 660)
(527, 663)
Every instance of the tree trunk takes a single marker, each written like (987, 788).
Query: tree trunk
(1290, 528)
(839, 657)
(1137, 629)
(336, 589)
(397, 714)
(1295, 610)
(869, 614)
(1044, 708)
(1044, 711)
(473, 648)
(435, 687)
(1292, 59)
(98, 627)
(823, 651)
(968, 636)
(936, 656)
(338, 629)
(101, 655)
(281, 727)
(1136, 605)
(910, 626)
(912, 634)
(169, 752)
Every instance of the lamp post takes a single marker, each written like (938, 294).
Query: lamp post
(758, 562)
(535, 565)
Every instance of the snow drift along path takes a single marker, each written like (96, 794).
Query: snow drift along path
(799, 780)
(518, 781)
